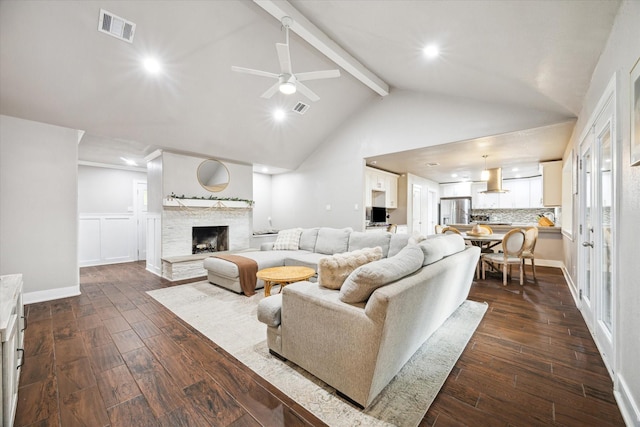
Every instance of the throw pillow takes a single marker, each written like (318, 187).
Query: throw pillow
(288, 240)
(332, 240)
(364, 280)
(333, 270)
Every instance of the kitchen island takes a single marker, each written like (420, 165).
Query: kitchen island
(549, 252)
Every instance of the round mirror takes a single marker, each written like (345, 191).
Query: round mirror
(213, 175)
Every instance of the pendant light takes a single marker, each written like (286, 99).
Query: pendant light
(484, 176)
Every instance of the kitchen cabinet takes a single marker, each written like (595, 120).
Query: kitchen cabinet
(523, 193)
(535, 192)
(12, 333)
(552, 183)
(457, 189)
(517, 196)
(387, 182)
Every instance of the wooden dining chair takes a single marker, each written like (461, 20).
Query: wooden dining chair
(450, 230)
(392, 228)
(439, 229)
(530, 239)
(512, 245)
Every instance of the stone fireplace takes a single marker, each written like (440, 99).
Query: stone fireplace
(191, 234)
(209, 239)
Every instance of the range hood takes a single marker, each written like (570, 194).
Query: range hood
(494, 183)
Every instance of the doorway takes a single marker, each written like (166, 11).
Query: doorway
(596, 260)
(416, 210)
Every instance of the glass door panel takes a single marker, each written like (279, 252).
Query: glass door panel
(604, 240)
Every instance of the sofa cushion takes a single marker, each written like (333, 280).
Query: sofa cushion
(432, 249)
(364, 280)
(332, 240)
(450, 243)
(288, 240)
(397, 242)
(303, 259)
(333, 270)
(308, 239)
(361, 240)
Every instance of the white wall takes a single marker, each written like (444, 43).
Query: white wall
(179, 177)
(105, 190)
(39, 209)
(620, 54)
(262, 197)
(333, 174)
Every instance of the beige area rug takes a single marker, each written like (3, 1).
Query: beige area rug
(229, 320)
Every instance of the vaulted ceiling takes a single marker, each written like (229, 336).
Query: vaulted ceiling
(55, 67)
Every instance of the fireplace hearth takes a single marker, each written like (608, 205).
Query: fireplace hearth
(209, 239)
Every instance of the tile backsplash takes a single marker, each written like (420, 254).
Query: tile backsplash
(514, 215)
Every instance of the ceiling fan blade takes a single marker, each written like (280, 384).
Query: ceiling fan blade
(271, 91)
(316, 75)
(284, 57)
(306, 91)
(255, 72)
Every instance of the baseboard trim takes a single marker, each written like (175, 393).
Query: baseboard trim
(548, 263)
(572, 286)
(51, 294)
(627, 404)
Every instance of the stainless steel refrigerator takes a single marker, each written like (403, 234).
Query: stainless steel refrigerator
(455, 210)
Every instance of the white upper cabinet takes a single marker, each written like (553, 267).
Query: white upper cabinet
(377, 180)
(522, 193)
(552, 183)
(458, 189)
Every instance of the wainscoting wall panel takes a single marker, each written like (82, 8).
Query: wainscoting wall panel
(154, 236)
(106, 239)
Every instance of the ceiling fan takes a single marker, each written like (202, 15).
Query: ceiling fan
(288, 82)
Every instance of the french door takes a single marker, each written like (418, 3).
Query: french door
(597, 215)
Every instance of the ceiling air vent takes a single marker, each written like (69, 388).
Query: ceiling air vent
(116, 26)
(300, 108)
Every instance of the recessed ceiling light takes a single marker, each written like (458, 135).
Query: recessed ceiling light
(431, 51)
(515, 170)
(265, 169)
(152, 65)
(454, 175)
(432, 164)
(374, 162)
(279, 115)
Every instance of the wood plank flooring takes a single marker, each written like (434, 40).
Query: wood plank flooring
(115, 357)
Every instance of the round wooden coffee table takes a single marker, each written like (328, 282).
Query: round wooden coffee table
(283, 276)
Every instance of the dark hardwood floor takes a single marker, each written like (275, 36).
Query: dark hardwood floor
(114, 356)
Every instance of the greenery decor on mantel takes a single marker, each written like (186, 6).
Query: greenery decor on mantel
(249, 203)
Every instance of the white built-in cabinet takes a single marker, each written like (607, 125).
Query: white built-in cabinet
(12, 326)
(456, 189)
(382, 182)
(522, 193)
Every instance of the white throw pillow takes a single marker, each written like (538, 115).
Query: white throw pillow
(333, 270)
(288, 240)
(365, 279)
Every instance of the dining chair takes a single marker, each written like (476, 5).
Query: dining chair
(450, 230)
(392, 228)
(439, 229)
(530, 239)
(512, 245)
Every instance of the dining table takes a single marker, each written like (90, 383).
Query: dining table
(486, 242)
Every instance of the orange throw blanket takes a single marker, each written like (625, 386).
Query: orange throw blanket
(247, 269)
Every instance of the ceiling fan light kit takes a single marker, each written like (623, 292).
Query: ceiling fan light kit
(288, 82)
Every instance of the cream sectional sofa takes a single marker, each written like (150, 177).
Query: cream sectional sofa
(314, 244)
(359, 347)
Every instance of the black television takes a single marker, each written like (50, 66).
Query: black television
(378, 215)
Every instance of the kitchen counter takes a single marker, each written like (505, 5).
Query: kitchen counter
(549, 249)
(503, 227)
